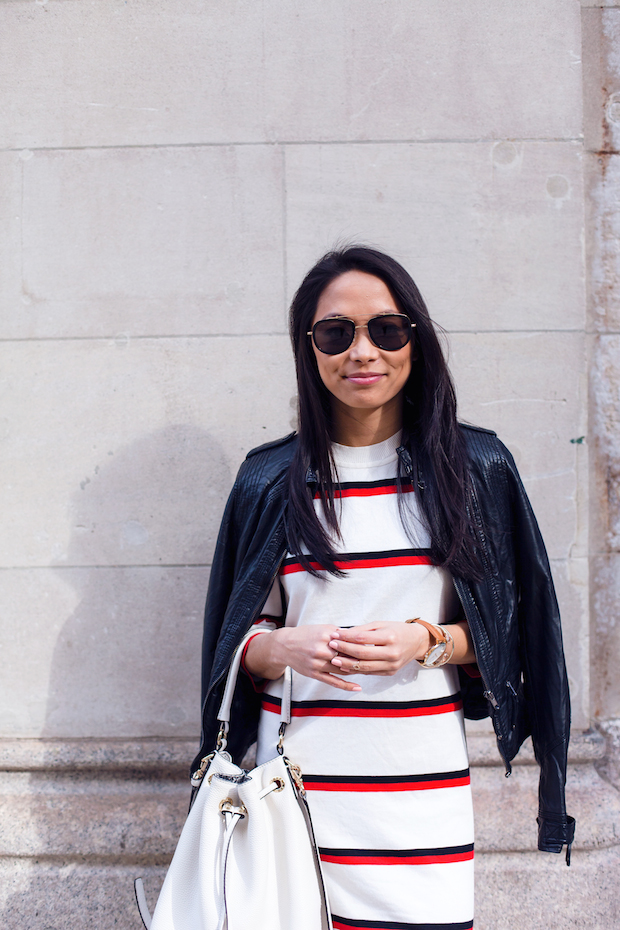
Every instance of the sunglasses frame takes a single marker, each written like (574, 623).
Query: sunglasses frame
(357, 326)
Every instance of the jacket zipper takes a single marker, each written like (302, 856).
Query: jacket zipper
(490, 697)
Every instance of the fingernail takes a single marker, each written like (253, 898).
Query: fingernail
(356, 688)
(334, 645)
(337, 662)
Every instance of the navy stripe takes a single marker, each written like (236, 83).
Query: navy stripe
(399, 853)
(343, 923)
(381, 483)
(385, 779)
(366, 705)
(359, 556)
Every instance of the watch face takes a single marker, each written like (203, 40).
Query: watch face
(435, 653)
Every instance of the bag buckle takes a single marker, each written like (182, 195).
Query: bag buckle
(222, 742)
(295, 773)
(199, 774)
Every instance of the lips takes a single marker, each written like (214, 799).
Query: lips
(367, 377)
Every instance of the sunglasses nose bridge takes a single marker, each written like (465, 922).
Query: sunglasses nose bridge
(355, 342)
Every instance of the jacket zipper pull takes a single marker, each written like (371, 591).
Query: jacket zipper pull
(311, 478)
(403, 454)
(509, 686)
(405, 457)
(490, 697)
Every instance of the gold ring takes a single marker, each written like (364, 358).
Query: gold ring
(356, 667)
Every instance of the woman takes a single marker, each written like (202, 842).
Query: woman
(385, 553)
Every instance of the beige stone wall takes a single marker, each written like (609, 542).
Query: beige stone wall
(168, 171)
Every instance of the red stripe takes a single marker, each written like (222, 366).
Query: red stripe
(352, 711)
(364, 563)
(245, 649)
(279, 621)
(433, 859)
(366, 492)
(386, 786)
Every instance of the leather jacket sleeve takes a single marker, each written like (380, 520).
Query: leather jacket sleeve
(249, 549)
(544, 671)
(221, 580)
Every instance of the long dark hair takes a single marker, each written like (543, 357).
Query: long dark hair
(433, 453)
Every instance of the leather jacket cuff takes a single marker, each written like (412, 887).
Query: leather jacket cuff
(554, 832)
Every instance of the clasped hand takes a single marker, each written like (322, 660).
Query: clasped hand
(330, 654)
(378, 648)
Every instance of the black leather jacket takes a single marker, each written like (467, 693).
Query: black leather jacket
(512, 615)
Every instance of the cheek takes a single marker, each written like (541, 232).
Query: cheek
(324, 367)
(403, 365)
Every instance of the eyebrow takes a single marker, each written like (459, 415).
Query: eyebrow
(343, 316)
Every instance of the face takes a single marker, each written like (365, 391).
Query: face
(363, 377)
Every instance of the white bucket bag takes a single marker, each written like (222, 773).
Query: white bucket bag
(246, 858)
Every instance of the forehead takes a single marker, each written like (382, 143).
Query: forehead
(357, 295)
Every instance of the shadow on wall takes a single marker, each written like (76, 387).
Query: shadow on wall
(127, 662)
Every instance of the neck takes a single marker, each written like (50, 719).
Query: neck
(354, 426)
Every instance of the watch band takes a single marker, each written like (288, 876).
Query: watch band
(441, 636)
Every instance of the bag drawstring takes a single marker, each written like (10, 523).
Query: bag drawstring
(232, 815)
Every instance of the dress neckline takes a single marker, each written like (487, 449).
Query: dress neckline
(362, 456)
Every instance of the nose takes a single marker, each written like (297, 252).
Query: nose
(362, 348)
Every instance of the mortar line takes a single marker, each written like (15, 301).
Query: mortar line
(153, 337)
(438, 140)
(284, 228)
(173, 565)
(201, 565)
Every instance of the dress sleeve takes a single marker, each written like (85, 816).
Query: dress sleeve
(273, 614)
(272, 617)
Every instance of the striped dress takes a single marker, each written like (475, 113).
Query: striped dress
(385, 768)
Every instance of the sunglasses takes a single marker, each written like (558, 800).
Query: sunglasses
(390, 331)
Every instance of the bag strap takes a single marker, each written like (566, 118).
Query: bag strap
(223, 714)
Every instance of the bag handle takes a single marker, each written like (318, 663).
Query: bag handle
(223, 714)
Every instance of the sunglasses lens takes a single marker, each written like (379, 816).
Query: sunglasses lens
(333, 336)
(389, 332)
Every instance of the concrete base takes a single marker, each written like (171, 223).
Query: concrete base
(49, 895)
(521, 891)
(535, 891)
(82, 818)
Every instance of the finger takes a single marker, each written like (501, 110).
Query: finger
(374, 637)
(368, 670)
(346, 631)
(378, 665)
(357, 651)
(336, 682)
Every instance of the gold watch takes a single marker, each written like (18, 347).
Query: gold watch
(442, 650)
